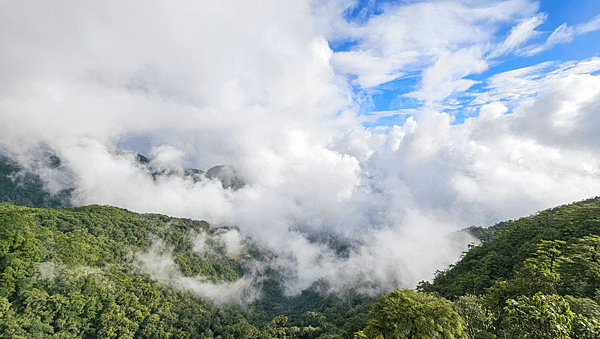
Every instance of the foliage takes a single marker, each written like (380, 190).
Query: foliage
(408, 314)
(69, 273)
(538, 276)
(479, 319)
(580, 269)
(539, 317)
(507, 245)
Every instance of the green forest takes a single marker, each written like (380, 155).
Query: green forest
(68, 272)
(73, 272)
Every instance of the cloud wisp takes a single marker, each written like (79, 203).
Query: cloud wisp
(446, 41)
(562, 35)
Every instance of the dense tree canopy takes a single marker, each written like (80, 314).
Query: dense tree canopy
(71, 272)
(507, 245)
(406, 314)
(538, 277)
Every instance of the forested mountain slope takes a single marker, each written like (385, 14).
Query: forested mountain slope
(536, 277)
(105, 272)
(507, 245)
(141, 270)
(25, 188)
(79, 272)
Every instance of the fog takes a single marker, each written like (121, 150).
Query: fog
(158, 263)
(256, 86)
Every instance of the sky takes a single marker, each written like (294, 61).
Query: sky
(387, 125)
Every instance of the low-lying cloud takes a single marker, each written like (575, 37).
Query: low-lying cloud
(257, 87)
(159, 264)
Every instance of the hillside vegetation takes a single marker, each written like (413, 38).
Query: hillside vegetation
(105, 272)
(73, 272)
(539, 275)
(506, 246)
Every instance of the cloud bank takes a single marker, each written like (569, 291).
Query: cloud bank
(256, 85)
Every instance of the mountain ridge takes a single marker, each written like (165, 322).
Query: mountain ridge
(105, 272)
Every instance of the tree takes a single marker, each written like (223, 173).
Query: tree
(19, 251)
(580, 270)
(478, 319)
(586, 312)
(540, 272)
(406, 314)
(585, 328)
(539, 317)
(9, 323)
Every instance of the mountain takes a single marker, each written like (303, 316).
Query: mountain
(26, 188)
(101, 271)
(506, 245)
(225, 174)
(115, 271)
(105, 272)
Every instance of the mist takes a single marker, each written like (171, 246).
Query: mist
(158, 263)
(256, 86)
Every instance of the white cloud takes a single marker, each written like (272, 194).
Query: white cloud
(450, 46)
(256, 86)
(520, 34)
(590, 26)
(544, 146)
(167, 157)
(373, 70)
(159, 264)
(446, 76)
(233, 242)
(561, 35)
(526, 83)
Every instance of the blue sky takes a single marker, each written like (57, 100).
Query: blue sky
(391, 95)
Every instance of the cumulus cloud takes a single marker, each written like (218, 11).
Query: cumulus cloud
(256, 86)
(445, 40)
